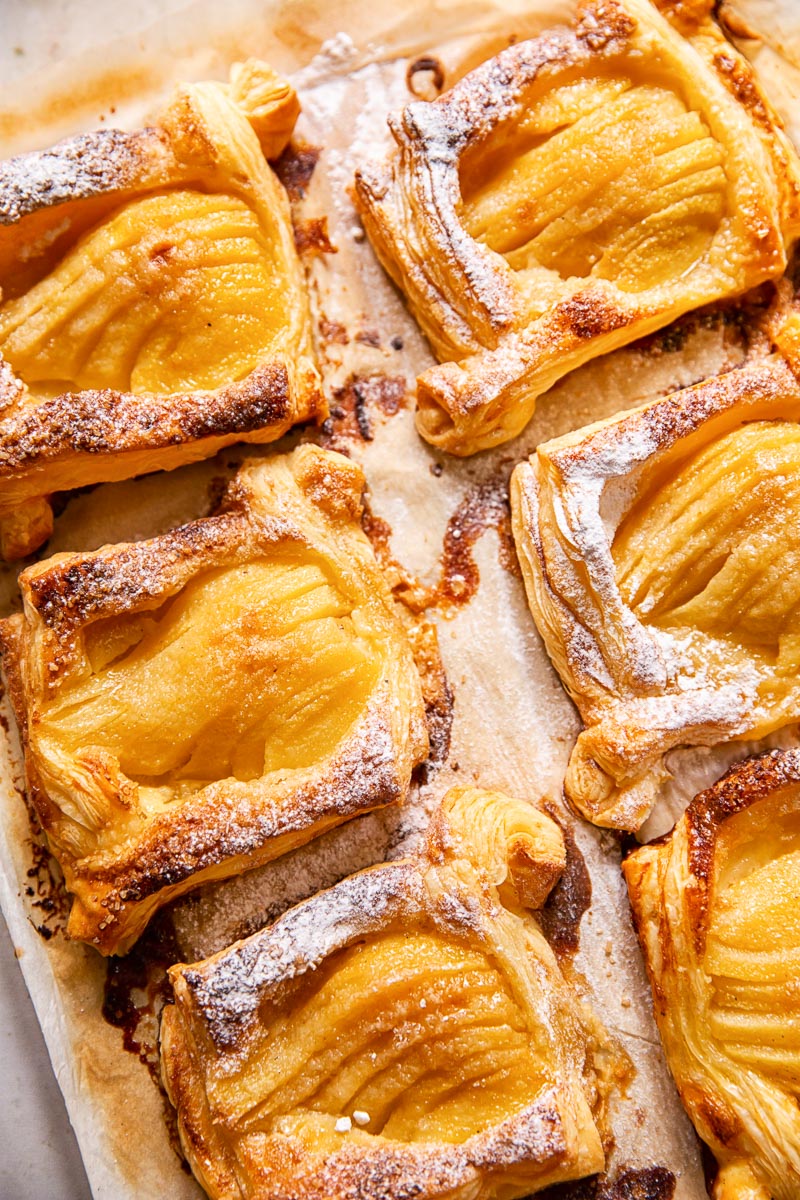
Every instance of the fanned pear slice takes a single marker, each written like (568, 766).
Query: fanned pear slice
(406, 1033)
(716, 906)
(153, 304)
(572, 194)
(197, 704)
(661, 556)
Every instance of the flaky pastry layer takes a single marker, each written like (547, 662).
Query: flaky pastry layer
(658, 550)
(406, 1033)
(153, 303)
(570, 195)
(194, 705)
(715, 905)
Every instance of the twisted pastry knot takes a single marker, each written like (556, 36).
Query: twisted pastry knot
(410, 1028)
(154, 303)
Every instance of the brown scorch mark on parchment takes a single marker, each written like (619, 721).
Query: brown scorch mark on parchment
(47, 896)
(485, 506)
(136, 989)
(436, 693)
(295, 167)
(354, 404)
(311, 237)
(561, 916)
(643, 1183)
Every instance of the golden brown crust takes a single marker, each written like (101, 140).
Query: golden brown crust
(412, 950)
(452, 222)
(705, 899)
(40, 446)
(189, 199)
(143, 674)
(649, 674)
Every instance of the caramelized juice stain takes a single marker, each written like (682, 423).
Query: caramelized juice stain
(295, 167)
(425, 77)
(135, 991)
(353, 405)
(739, 320)
(643, 1183)
(561, 916)
(484, 507)
(311, 237)
(47, 896)
(333, 331)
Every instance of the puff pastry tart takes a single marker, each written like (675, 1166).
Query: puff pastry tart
(570, 195)
(153, 301)
(716, 908)
(407, 1033)
(197, 704)
(659, 551)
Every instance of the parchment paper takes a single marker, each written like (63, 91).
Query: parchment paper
(64, 67)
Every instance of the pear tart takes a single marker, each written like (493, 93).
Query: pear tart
(570, 195)
(661, 556)
(716, 906)
(200, 703)
(153, 301)
(407, 1033)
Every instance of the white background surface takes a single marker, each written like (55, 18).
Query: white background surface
(39, 1158)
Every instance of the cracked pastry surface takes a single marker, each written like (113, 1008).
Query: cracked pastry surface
(715, 904)
(570, 195)
(202, 702)
(407, 1032)
(659, 549)
(154, 308)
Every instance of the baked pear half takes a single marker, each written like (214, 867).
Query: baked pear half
(716, 907)
(406, 1033)
(197, 704)
(153, 303)
(573, 193)
(661, 557)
